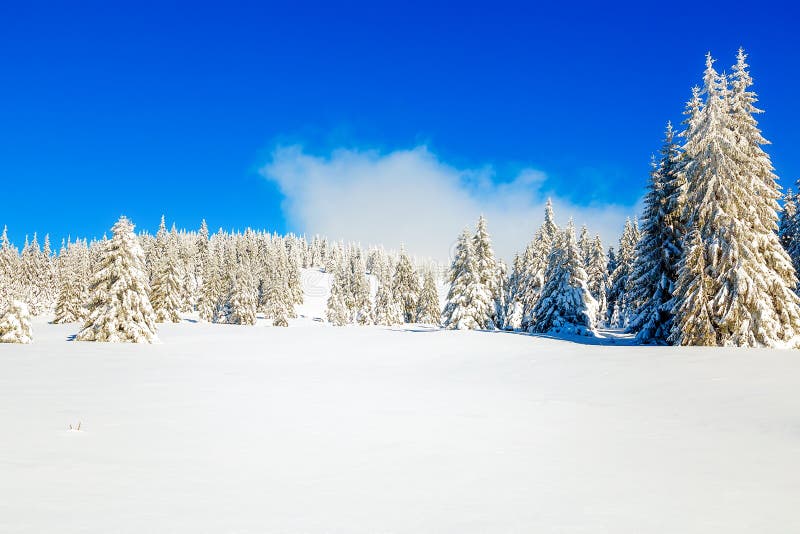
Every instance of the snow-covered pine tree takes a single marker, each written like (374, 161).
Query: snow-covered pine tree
(155, 250)
(732, 200)
(565, 304)
(166, 288)
(489, 271)
(658, 251)
(240, 304)
(787, 225)
(358, 302)
(333, 259)
(406, 286)
(387, 311)
(33, 273)
(294, 283)
(692, 324)
(185, 252)
(15, 323)
(535, 261)
(597, 276)
(469, 302)
(428, 310)
(789, 229)
(72, 296)
(337, 312)
(619, 308)
(277, 300)
(611, 266)
(120, 310)
(49, 279)
(9, 269)
(585, 246)
(210, 288)
(513, 312)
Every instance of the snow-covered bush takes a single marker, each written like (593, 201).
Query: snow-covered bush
(15, 323)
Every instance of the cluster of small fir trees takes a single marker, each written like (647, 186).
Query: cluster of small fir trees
(559, 284)
(401, 293)
(476, 296)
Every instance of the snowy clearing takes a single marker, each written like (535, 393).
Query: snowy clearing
(224, 428)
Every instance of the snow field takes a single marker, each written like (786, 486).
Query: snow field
(225, 428)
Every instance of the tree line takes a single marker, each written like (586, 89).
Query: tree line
(709, 262)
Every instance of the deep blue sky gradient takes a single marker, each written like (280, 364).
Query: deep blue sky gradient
(146, 108)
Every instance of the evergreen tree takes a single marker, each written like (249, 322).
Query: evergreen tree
(72, 296)
(210, 290)
(619, 307)
(120, 310)
(597, 276)
(732, 201)
(489, 271)
(358, 296)
(611, 266)
(789, 229)
(658, 252)
(166, 289)
(240, 304)
(514, 309)
(585, 246)
(278, 300)
(469, 302)
(34, 274)
(428, 310)
(9, 270)
(787, 225)
(387, 310)
(565, 304)
(337, 312)
(535, 261)
(406, 287)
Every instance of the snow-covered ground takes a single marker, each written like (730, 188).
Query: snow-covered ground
(365, 429)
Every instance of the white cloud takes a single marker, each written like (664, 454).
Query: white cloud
(411, 197)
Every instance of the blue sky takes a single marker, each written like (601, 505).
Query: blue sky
(146, 108)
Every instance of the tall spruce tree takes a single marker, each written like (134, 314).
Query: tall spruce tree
(469, 302)
(732, 201)
(658, 251)
(535, 261)
(489, 271)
